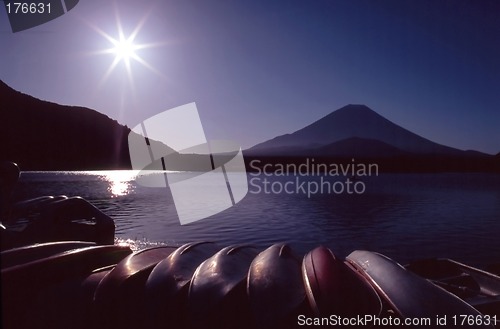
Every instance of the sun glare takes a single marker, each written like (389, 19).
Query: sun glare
(120, 181)
(125, 48)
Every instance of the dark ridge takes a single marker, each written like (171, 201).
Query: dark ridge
(357, 121)
(40, 135)
(356, 131)
(359, 148)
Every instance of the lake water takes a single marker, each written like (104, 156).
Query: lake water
(405, 216)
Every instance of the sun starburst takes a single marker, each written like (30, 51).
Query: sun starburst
(125, 48)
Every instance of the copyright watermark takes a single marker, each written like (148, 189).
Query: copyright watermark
(310, 177)
(170, 150)
(370, 320)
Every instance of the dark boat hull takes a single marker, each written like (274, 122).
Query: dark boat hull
(333, 288)
(167, 286)
(199, 286)
(409, 295)
(217, 292)
(275, 287)
(24, 285)
(478, 288)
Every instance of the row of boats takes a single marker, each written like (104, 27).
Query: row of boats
(201, 285)
(60, 268)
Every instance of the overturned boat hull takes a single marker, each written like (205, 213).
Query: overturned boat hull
(200, 285)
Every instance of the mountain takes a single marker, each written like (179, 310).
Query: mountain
(41, 135)
(356, 131)
(353, 121)
(359, 148)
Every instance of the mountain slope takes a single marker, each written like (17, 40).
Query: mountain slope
(354, 121)
(359, 148)
(41, 135)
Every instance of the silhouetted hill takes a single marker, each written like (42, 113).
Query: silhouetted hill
(359, 148)
(356, 131)
(352, 121)
(41, 135)
(349, 147)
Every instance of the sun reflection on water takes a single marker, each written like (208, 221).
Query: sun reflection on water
(120, 181)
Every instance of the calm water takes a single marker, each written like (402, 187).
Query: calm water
(404, 216)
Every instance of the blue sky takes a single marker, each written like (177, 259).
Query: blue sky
(258, 69)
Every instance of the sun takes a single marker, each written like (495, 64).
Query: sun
(125, 48)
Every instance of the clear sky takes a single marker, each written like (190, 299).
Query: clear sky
(258, 69)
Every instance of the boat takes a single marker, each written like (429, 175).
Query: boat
(51, 219)
(27, 254)
(59, 263)
(44, 291)
(411, 297)
(217, 291)
(199, 285)
(48, 218)
(476, 287)
(119, 295)
(275, 287)
(167, 286)
(333, 288)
